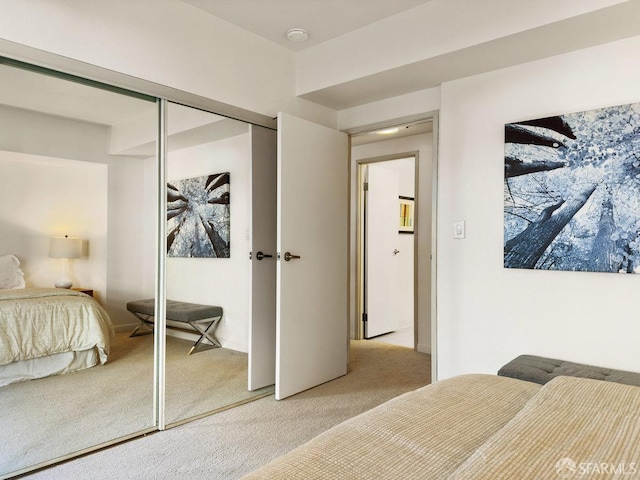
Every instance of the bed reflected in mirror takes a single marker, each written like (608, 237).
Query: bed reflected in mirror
(80, 162)
(75, 162)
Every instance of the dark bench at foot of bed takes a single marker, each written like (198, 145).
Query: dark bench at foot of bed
(540, 370)
(203, 318)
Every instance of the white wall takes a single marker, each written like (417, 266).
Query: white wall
(130, 270)
(487, 315)
(423, 145)
(218, 281)
(416, 103)
(43, 197)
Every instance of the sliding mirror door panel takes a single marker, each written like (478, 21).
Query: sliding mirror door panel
(79, 197)
(207, 264)
(90, 195)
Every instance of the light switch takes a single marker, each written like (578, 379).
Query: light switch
(459, 229)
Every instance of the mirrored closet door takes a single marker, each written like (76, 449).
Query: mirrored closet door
(79, 192)
(112, 174)
(208, 264)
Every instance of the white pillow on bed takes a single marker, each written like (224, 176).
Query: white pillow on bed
(11, 275)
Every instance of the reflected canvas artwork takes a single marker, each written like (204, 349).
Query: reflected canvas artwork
(198, 217)
(572, 192)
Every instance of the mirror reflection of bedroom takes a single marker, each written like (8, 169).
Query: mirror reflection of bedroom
(79, 189)
(73, 192)
(207, 265)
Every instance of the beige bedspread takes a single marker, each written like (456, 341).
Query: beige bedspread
(573, 428)
(37, 322)
(427, 433)
(481, 427)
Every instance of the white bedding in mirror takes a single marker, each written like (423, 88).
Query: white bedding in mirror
(11, 275)
(55, 364)
(48, 331)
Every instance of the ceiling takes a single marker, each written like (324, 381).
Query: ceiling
(329, 19)
(323, 19)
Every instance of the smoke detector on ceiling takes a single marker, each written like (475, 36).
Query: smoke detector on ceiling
(297, 34)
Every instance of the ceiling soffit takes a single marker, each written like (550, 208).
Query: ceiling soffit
(583, 31)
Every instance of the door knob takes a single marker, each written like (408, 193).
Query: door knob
(396, 251)
(261, 255)
(288, 256)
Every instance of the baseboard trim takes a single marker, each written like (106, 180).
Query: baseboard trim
(125, 328)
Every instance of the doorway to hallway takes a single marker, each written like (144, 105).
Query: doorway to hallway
(387, 249)
(375, 145)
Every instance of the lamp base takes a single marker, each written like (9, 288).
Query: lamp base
(64, 281)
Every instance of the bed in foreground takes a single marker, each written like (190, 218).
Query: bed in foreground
(481, 427)
(49, 331)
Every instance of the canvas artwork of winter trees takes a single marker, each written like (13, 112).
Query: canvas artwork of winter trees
(198, 220)
(572, 192)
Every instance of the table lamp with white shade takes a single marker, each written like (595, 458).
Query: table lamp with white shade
(66, 248)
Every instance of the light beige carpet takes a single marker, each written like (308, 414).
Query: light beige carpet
(50, 417)
(234, 442)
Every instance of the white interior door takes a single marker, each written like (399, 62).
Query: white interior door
(262, 328)
(312, 291)
(382, 272)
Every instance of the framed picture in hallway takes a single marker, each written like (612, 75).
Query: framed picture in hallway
(198, 217)
(407, 209)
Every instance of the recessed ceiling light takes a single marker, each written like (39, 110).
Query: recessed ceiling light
(388, 131)
(297, 34)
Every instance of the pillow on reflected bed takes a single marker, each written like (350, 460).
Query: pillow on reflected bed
(11, 275)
